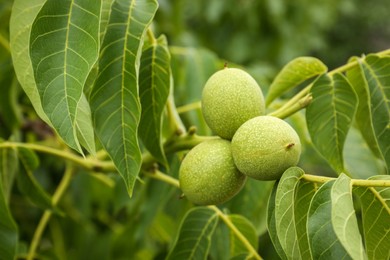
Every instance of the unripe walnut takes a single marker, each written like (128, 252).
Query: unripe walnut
(231, 97)
(264, 147)
(208, 175)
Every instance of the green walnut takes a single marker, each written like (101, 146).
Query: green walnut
(208, 175)
(231, 97)
(264, 147)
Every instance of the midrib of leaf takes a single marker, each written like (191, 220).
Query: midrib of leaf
(131, 8)
(380, 199)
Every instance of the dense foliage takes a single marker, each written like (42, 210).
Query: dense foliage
(99, 104)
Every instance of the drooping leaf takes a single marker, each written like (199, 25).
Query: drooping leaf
(271, 224)
(323, 241)
(155, 74)
(363, 116)
(27, 183)
(285, 214)
(377, 73)
(22, 17)
(196, 229)
(115, 97)
(60, 63)
(329, 117)
(8, 228)
(375, 204)
(247, 229)
(344, 219)
(304, 192)
(293, 74)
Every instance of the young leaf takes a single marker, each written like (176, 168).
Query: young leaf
(247, 229)
(115, 99)
(284, 212)
(377, 73)
(376, 218)
(323, 241)
(8, 228)
(61, 68)
(22, 17)
(294, 73)
(27, 183)
(304, 192)
(196, 229)
(363, 113)
(344, 219)
(329, 117)
(155, 74)
(271, 223)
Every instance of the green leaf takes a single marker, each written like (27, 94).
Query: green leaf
(271, 223)
(284, 212)
(27, 183)
(363, 116)
(84, 126)
(344, 219)
(61, 68)
(329, 117)
(8, 170)
(196, 229)
(293, 74)
(360, 162)
(247, 229)
(304, 192)
(375, 204)
(377, 73)
(251, 202)
(22, 17)
(323, 241)
(8, 228)
(154, 87)
(9, 111)
(115, 99)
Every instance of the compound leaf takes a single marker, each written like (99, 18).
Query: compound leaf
(196, 229)
(61, 68)
(154, 88)
(329, 117)
(293, 74)
(114, 99)
(375, 202)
